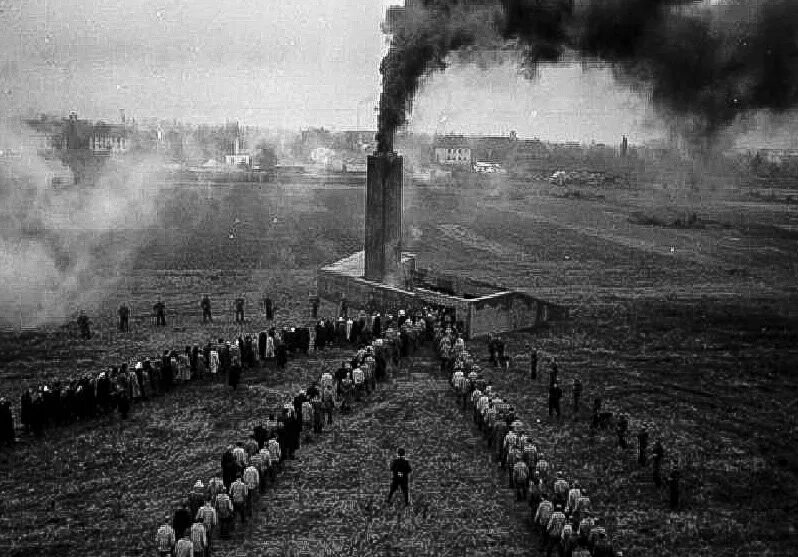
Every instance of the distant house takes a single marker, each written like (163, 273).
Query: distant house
(107, 139)
(452, 150)
(238, 160)
(778, 156)
(238, 157)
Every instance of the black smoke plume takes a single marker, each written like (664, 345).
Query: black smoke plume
(704, 65)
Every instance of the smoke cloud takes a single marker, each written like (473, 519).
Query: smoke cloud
(703, 66)
(63, 245)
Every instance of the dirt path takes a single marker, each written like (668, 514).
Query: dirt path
(324, 499)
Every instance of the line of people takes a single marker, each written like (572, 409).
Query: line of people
(158, 315)
(603, 420)
(599, 419)
(119, 388)
(247, 468)
(560, 510)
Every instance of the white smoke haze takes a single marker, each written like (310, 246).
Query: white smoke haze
(57, 248)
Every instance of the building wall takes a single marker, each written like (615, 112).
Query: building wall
(510, 311)
(453, 155)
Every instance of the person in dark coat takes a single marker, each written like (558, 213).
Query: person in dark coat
(166, 372)
(205, 304)
(621, 429)
(159, 309)
(229, 468)
(26, 409)
(84, 324)
(224, 360)
(555, 394)
(281, 355)
(123, 403)
(262, 336)
(299, 399)
(6, 423)
(658, 453)
(181, 521)
(673, 483)
(240, 309)
(235, 376)
(269, 308)
(400, 476)
(642, 446)
(577, 393)
(124, 318)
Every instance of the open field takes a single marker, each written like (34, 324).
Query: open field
(692, 328)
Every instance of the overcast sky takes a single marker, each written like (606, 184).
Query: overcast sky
(276, 63)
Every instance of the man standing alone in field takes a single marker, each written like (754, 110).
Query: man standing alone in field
(533, 363)
(160, 313)
(240, 309)
(577, 392)
(124, 318)
(555, 394)
(6, 423)
(400, 470)
(205, 304)
(85, 325)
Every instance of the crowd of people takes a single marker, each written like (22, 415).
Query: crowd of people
(560, 509)
(248, 467)
(120, 388)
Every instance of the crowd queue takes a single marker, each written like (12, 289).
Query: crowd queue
(120, 388)
(213, 508)
(561, 511)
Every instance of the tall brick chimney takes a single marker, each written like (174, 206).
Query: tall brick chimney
(384, 218)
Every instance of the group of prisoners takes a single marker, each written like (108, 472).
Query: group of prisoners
(249, 466)
(560, 509)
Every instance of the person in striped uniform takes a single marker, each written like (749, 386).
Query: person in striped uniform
(240, 455)
(275, 451)
(521, 480)
(582, 505)
(199, 538)
(585, 527)
(569, 540)
(165, 539)
(215, 486)
(495, 441)
(542, 516)
(476, 394)
(530, 453)
(196, 497)
(239, 494)
(561, 488)
(509, 441)
(207, 514)
(554, 529)
(573, 496)
(595, 533)
(251, 478)
(225, 513)
(256, 461)
(542, 467)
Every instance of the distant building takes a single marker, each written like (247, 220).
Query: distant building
(778, 156)
(108, 139)
(238, 157)
(452, 150)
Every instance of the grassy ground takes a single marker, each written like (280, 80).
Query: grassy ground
(693, 329)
